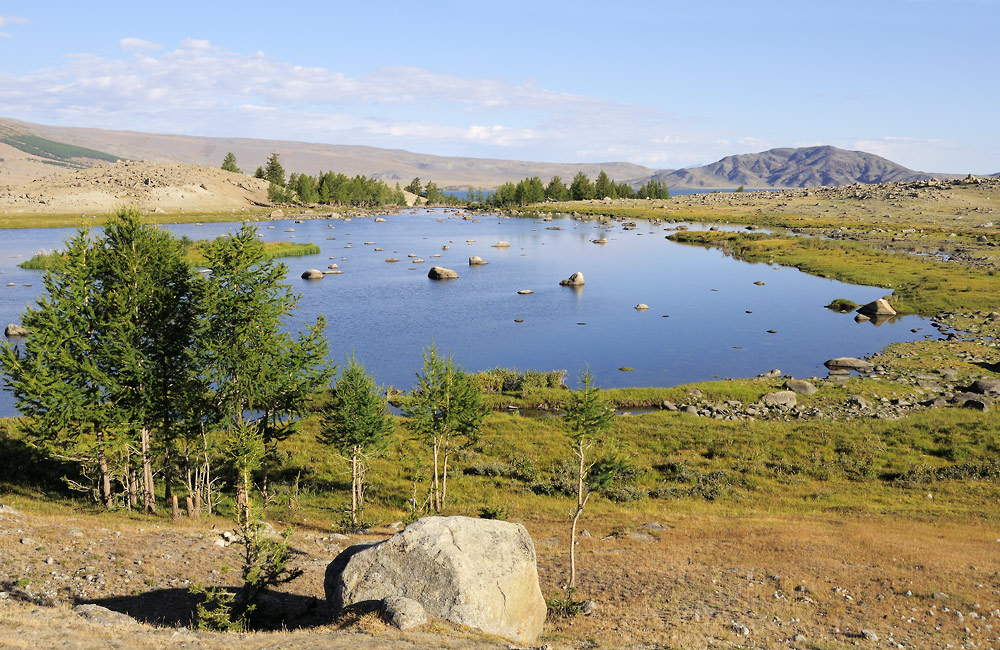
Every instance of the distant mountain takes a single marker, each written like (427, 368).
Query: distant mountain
(30, 150)
(391, 165)
(789, 168)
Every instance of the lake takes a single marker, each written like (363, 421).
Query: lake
(706, 317)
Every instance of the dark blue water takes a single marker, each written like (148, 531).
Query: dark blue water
(697, 326)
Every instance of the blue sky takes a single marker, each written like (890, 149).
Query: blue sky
(664, 84)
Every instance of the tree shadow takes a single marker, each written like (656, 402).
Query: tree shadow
(27, 468)
(177, 607)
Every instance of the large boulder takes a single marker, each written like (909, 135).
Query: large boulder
(880, 307)
(575, 280)
(849, 363)
(475, 572)
(312, 274)
(441, 273)
(475, 260)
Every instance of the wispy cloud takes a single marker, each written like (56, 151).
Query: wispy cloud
(198, 88)
(11, 20)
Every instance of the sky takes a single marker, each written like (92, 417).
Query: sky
(664, 84)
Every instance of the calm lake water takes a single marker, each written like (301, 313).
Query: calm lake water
(706, 317)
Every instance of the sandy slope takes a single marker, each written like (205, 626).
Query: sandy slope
(152, 186)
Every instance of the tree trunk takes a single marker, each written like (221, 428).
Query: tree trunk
(174, 508)
(444, 476)
(435, 487)
(148, 497)
(355, 487)
(197, 504)
(102, 468)
(581, 501)
(190, 507)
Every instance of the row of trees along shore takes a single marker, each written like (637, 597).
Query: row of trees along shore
(362, 191)
(155, 379)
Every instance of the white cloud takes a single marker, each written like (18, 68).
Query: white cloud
(12, 20)
(138, 45)
(198, 88)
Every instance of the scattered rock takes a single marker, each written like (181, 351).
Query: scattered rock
(276, 214)
(575, 280)
(780, 398)
(985, 387)
(312, 274)
(880, 307)
(475, 572)
(799, 386)
(588, 607)
(849, 363)
(475, 260)
(869, 635)
(501, 244)
(403, 613)
(759, 283)
(857, 400)
(15, 330)
(642, 306)
(525, 292)
(441, 273)
(379, 220)
(104, 616)
(770, 374)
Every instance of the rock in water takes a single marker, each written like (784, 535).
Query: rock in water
(475, 572)
(501, 244)
(15, 330)
(441, 273)
(475, 260)
(880, 307)
(312, 274)
(642, 306)
(575, 280)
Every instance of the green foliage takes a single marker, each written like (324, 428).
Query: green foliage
(509, 380)
(494, 512)
(43, 261)
(586, 417)
(229, 163)
(51, 150)
(740, 189)
(581, 188)
(415, 187)
(563, 607)
(215, 611)
(653, 189)
(356, 413)
(274, 173)
(604, 187)
(842, 304)
(265, 561)
(556, 190)
(444, 408)
(259, 173)
(280, 194)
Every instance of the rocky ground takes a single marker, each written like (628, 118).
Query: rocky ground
(658, 580)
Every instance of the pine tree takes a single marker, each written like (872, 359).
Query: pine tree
(604, 187)
(586, 418)
(444, 408)
(274, 172)
(229, 163)
(556, 190)
(356, 423)
(581, 188)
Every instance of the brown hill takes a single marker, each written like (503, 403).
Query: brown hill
(791, 168)
(391, 165)
(101, 189)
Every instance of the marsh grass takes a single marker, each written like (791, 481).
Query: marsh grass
(194, 254)
(919, 285)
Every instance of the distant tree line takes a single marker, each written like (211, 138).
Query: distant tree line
(432, 193)
(531, 190)
(325, 188)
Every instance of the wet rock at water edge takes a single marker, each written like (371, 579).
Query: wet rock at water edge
(475, 260)
(312, 274)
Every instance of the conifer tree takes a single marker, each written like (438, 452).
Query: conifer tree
(229, 163)
(274, 172)
(356, 423)
(445, 407)
(586, 419)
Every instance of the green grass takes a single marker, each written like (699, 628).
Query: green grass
(194, 255)
(52, 150)
(919, 285)
(272, 250)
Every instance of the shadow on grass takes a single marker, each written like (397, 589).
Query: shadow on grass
(177, 607)
(26, 469)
